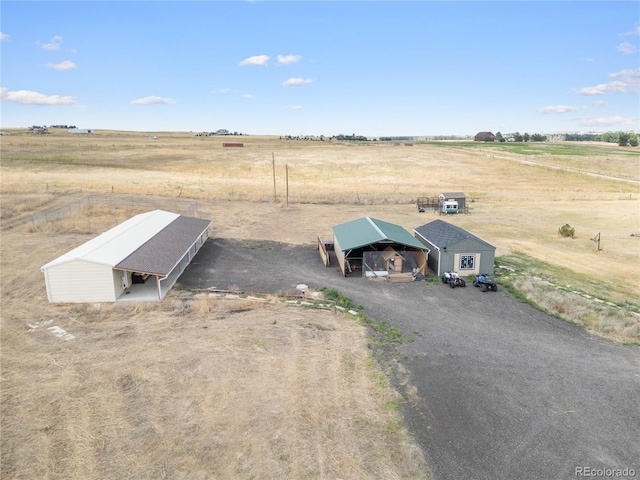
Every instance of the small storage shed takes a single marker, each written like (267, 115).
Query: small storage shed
(459, 197)
(140, 259)
(455, 249)
(378, 249)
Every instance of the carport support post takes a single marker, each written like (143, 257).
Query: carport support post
(273, 166)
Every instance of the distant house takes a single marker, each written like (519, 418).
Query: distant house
(484, 137)
(80, 130)
(454, 249)
(38, 130)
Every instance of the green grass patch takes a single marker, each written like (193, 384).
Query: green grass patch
(579, 149)
(338, 298)
(383, 333)
(520, 264)
(569, 296)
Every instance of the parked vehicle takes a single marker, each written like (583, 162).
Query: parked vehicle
(485, 282)
(453, 279)
(449, 206)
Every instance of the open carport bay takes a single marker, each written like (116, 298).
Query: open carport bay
(494, 389)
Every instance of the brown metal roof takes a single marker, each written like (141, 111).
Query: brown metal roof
(163, 251)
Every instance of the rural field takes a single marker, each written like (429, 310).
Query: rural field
(205, 386)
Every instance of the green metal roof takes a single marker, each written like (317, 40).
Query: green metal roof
(367, 231)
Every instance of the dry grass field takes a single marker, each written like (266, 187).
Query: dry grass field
(200, 387)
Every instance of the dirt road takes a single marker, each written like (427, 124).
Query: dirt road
(494, 389)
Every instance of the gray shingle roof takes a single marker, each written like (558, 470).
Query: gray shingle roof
(442, 234)
(163, 251)
(454, 194)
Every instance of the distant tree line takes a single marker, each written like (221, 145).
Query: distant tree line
(217, 132)
(312, 138)
(352, 137)
(518, 137)
(621, 138)
(396, 139)
(322, 138)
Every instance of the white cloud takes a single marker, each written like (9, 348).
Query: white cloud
(288, 59)
(295, 107)
(4, 37)
(54, 44)
(628, 81)
(559, 109)
(607, 122)
(222, 91)
(297, 82)
(626, 48)
(66, 65)
(635, 32)
(247, 95)
(27, 97)
(260, 60)
(152, 100)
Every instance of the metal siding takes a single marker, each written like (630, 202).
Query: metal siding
(471, 246)
(80, 281)
(368, 231)
(339, 254)
(487, 262)
(447, 258)
(357, 233)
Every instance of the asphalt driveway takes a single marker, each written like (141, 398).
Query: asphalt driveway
(494, 389)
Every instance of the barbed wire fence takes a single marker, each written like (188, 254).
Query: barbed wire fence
(126, 205)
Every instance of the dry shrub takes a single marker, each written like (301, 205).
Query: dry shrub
(94, 210)
(139, 308)
(64, 225)
(631, 331)
(13, 205)
(559, 307)
(204, 304)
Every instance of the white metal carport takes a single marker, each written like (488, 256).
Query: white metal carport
(158, 245)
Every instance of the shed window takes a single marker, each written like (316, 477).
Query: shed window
(467, 262)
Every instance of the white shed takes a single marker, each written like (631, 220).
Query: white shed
(140, 259)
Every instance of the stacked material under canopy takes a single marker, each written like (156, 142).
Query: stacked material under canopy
(361, 244)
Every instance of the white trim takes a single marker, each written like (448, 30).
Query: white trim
(376, 228)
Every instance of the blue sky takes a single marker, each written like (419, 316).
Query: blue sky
(373, 68)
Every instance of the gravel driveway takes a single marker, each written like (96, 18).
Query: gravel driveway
(503, 391)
